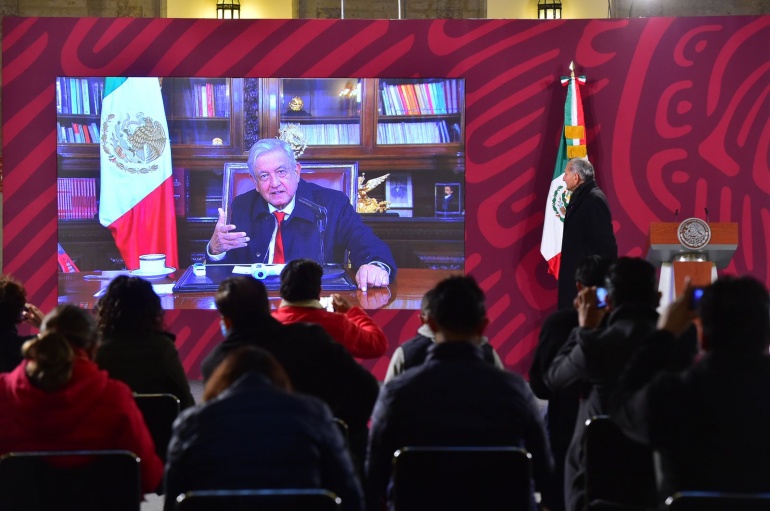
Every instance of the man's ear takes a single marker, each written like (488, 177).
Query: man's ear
(432, 323)
(298, 168)
(579, 285)
(227, 321)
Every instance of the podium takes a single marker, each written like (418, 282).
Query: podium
(679, 250)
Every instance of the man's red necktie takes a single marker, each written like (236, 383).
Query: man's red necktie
(278, 257)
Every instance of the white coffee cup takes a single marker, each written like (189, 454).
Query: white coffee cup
(152, 263)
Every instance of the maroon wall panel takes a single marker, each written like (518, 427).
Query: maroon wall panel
(677, 113)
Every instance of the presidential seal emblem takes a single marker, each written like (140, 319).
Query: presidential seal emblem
(694, 233)
(133, 145)
(559, 201)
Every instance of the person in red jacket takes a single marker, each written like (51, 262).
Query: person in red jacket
(350, 326)
(57, 399)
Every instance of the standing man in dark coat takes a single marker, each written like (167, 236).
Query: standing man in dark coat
(587, 226)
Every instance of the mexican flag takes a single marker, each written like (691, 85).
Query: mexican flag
(572, 144)
(137, 196)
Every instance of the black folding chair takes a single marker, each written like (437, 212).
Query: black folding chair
(444, 478)
(259, 500)
(70, 481)
(620, 473)
(718, 501)
(159, 411)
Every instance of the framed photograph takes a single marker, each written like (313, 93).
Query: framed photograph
(449, 200)
(398, 190)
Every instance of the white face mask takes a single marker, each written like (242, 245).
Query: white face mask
(223, 328)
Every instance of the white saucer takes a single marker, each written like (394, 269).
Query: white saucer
(152, 274)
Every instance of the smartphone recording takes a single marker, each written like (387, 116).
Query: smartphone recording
(696, 293)
(601, 297)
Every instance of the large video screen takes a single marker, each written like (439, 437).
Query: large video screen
(393, 147)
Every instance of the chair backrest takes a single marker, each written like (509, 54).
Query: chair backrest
(718, 501)
(69, 480)
(341, 176)
(259, 500)
(618, 469)
(159, 411)
(488, 478)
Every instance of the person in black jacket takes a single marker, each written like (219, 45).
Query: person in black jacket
(594, 358)
(454, 397)
(14, 309)
(587, 226)
(709, 420)
(252, 432)
(562, 405)
(316, 364)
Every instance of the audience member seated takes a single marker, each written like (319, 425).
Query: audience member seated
(562, 405)
(14, 309)
(454, 398)
(317, 365)
(59, 400)
(710, 422)
(133, 347)
(348, 325)
(595, 357)
(413, 352)
(253, 433)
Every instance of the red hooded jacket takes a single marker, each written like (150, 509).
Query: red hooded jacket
(91, 412)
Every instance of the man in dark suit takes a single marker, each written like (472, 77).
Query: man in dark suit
(455, 397)
(587, 226)
(709, 423)
(315, 363)
(285, 217)
(562, 405)
(594, 358)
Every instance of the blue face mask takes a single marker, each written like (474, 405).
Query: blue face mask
(223, 328)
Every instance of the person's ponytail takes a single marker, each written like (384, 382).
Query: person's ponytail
(50, 358)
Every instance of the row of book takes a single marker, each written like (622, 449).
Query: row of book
(76, 197)
(77, 133)
(205, 100)
(331, 134)
(80, 96)
(428, 98)
(437, 132)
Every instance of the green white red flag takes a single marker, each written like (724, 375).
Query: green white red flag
(137, 195)
(572, 144)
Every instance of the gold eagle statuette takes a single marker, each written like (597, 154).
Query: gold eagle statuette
(367, 204)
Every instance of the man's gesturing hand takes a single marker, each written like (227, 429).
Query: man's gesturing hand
(224, 240)
(370, 275)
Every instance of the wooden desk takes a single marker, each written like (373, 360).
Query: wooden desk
(405, 293)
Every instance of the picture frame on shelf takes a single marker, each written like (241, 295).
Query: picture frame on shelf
(398, 190)
(448, 199)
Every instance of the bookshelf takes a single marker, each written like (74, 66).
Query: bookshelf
(212, 121)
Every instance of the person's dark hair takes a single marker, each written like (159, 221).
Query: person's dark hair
(457, 304)
(592, 270)
(74, 323)
(13, 298)
(243, 300)
(268, 145)
(301, 280)
(241, 361)
(49, 361)
(582, 168)
(129, 305)
(735, 315)
(632, 280)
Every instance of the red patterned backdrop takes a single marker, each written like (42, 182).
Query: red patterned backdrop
(677, 114)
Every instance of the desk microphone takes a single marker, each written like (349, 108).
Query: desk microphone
(707, 214)
(321, 216)
(676, 213)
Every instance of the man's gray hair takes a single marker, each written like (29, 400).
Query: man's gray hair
(582, 168)
(267, 145)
